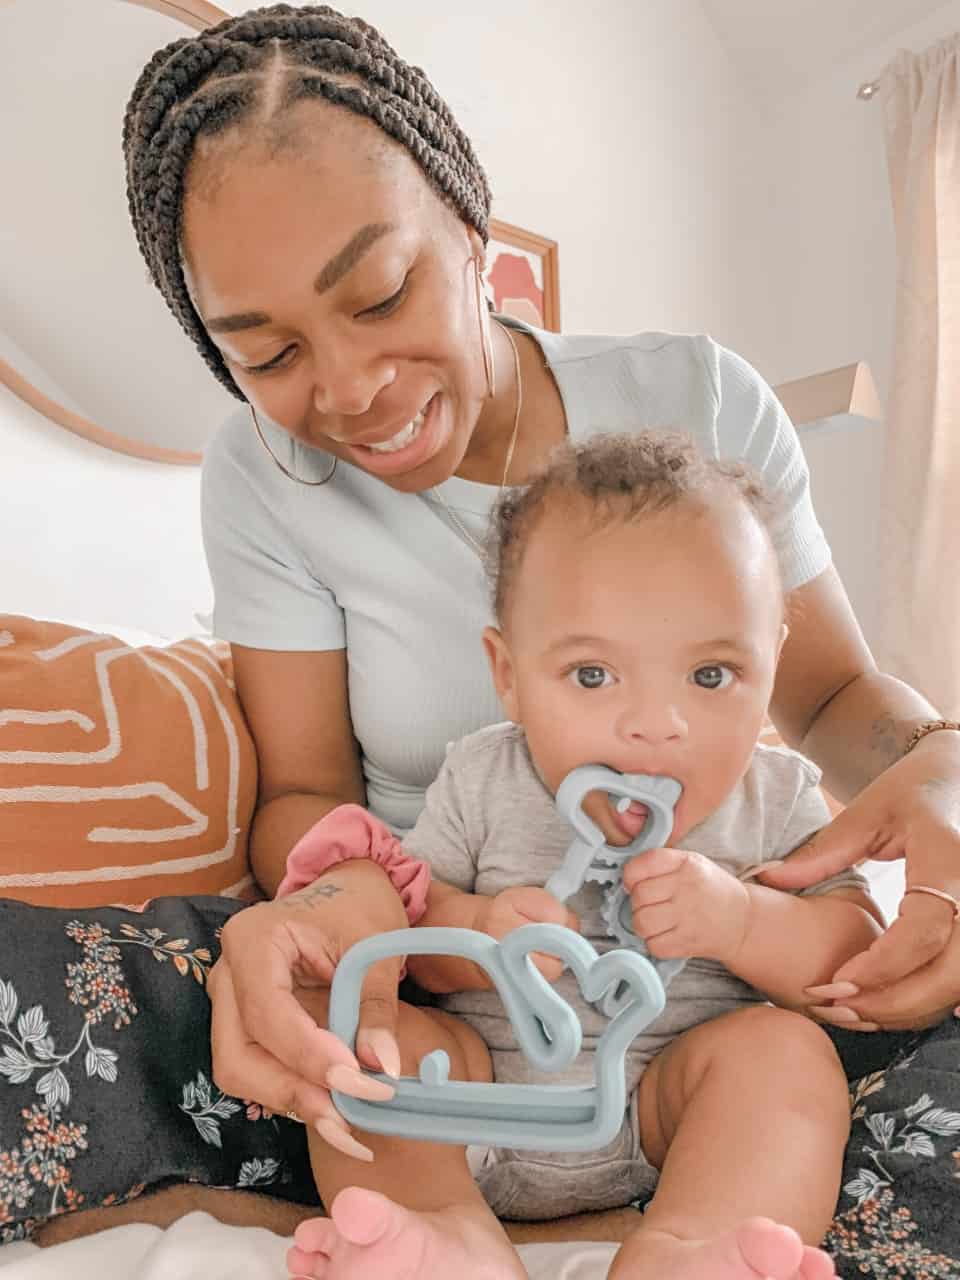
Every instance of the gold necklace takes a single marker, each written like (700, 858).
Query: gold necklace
(460, 526)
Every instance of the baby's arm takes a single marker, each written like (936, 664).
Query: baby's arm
(795, 941)
(496, 916)
(449, 836)
(791, 942)
(450, 908)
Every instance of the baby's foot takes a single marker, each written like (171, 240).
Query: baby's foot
(368, 1237)
(759, 1249)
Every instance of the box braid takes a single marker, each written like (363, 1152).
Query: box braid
(226, 77)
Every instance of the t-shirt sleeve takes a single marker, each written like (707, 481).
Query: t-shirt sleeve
(753, 425)
(808, 813)
(264, 595)
(440, 834)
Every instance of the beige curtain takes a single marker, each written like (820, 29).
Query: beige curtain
(920, 566)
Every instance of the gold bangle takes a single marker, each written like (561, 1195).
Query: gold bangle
(936, 893)
(929, 726)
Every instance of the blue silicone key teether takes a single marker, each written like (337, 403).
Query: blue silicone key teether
(537, 1117)
(589, 857)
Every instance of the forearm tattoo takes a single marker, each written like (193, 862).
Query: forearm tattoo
(319, 889)
(887, 740)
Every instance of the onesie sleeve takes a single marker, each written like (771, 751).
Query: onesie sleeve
(439, 837)
(808, 813)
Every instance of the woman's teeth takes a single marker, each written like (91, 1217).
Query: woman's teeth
(403, 437)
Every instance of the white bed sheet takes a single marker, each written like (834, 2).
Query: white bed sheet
(199, 1248)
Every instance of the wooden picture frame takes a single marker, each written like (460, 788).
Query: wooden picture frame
(522, 276)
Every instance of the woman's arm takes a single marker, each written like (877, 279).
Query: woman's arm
(831, 702)
(855, 722)
(297, 708)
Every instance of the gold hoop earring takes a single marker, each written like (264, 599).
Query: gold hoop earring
(485, 345)
(277, 463)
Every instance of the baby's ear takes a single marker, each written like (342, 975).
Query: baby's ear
(501, 668)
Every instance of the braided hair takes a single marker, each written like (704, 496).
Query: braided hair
(251, 70)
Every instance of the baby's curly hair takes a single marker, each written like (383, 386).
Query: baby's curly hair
(620, 477)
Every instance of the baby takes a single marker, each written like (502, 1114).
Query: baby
(640, 617)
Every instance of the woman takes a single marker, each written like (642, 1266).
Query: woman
(317, 223)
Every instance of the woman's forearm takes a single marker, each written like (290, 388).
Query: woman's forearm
(277, 826)
(864, 729)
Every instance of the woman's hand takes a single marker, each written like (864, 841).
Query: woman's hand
(910, 976)
(266, 1046)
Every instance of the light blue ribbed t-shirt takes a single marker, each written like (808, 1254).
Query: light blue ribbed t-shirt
(355, 563)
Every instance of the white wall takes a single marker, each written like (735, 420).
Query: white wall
(679, 202)
(96, 537)
(606, 127)
(817, 257)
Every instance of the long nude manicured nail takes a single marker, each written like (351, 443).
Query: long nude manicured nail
(341, 1140)
(384, 1048)
(834, 1013)
(346, 1080)
(834, 991)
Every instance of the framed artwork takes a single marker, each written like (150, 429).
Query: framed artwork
(522, 277)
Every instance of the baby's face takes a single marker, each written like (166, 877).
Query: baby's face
(649, 647)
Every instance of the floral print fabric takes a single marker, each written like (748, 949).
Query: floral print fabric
(106, 1090)
(106, 1086)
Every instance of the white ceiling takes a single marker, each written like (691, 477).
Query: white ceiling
(781, 44)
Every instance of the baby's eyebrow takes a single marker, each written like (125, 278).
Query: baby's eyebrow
(576, 642)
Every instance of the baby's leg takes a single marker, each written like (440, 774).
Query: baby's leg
(415, 1213)
(746, 1117)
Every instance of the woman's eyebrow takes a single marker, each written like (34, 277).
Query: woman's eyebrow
(338, 266)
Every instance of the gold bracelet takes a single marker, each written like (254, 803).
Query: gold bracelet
(937, 893)
(929, 726)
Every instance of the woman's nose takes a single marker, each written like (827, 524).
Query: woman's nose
(349, 387)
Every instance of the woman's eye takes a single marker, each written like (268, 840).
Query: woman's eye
(715, 676)
(389, 304)
(591, 677)
(273, 363)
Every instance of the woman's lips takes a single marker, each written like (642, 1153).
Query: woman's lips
(395, 461)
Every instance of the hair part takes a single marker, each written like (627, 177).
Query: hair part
(245, 74)
(614, 477)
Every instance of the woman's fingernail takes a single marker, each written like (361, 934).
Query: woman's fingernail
(774, 862)
(341, 1140)
(834, 991)
(346, 1080)
(834, 1013)
(956, 1012)
(384, 1048)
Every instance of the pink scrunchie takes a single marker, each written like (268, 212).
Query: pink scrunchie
(349, 832)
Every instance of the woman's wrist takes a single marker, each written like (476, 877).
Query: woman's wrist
(349, 834)
(360, 887)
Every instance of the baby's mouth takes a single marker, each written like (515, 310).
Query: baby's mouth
(629, 815)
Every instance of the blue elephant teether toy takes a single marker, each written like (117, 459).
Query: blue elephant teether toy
(624, 982)
(538, 1117)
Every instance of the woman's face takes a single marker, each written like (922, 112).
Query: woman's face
(342, 294)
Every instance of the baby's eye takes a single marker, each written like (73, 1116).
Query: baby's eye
(714, 676)
(591, 677)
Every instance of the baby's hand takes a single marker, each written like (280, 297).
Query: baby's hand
(527, 905)
(686, 905)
